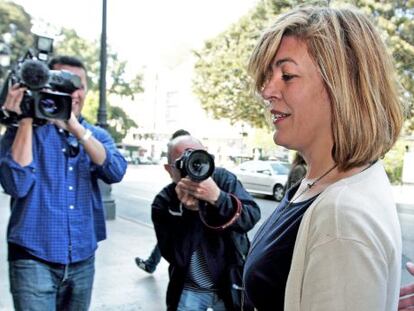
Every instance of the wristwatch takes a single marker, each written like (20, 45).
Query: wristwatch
(86, 136)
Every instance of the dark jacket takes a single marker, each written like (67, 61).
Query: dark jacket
(296, 174)
(179, 232)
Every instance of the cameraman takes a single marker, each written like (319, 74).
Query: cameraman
(200, 231)
(51, 173)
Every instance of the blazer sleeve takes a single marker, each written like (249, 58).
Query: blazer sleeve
(344, 274)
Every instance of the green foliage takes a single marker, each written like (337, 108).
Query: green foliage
(69, 43)
(393, 162)
(11, 13)
(90, 107)
(221, 81)
(396, 20)
(118, 121)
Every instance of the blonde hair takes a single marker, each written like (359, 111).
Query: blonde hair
(358, 73)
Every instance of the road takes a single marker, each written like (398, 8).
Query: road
(143, 182)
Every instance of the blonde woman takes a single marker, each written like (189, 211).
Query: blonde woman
(334, 242)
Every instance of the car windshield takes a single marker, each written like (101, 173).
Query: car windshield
(280, 169)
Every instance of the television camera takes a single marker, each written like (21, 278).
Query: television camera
(48, 94)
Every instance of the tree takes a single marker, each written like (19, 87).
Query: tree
(395, 18)
(71, 44)
(14, 14)
(221, 81)
(119, 123)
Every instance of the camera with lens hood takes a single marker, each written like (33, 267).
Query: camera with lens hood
(48, 94)
(197, 164)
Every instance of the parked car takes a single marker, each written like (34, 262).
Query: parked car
(263, 177)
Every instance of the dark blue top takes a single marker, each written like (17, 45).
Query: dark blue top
(56, 206)
(268, 263)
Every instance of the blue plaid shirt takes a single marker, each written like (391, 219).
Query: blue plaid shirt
(56, 206)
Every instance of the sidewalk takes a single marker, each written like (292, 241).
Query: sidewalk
(119, 284)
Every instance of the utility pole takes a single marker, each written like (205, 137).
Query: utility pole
(108, 201)
(102, 115)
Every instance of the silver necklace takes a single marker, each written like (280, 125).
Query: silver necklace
(284, 209)
(310, 185)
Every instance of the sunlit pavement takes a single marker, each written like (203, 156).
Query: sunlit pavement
(119, 283)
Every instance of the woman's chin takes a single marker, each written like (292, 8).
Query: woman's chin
(281, 141)
(278, 140)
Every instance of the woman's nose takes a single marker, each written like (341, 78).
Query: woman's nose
(271, 89)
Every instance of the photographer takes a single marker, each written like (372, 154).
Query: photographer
(51, 173)
(201, 231)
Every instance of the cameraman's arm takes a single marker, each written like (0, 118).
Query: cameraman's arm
(22, 144)
(17, 172)
(93, 147)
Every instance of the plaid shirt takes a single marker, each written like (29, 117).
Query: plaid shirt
(56, 206)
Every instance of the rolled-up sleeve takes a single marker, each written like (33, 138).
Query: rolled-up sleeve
(114, 167)
(15, 179)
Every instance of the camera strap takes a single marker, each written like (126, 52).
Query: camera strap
(231, 221)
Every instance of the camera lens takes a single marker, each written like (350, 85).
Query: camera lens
(53, 105)
(49, 107)
(200, 165)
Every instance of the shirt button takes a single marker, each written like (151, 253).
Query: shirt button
(70, 168)
(70, 188)
(71, 207)
(63, 149)
(60, 130)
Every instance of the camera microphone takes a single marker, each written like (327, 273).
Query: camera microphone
(34, 74)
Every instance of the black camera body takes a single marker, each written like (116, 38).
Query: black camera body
(48, 94)
(197, 164)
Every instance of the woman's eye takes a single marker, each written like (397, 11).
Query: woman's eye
(287, 77)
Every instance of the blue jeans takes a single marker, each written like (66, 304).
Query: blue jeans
(154, 259)
(37, 286)
(200, 301)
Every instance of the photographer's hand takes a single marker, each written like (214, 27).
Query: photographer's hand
(206, 190)
(183, 194)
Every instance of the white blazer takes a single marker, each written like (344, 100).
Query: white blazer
(347, 254)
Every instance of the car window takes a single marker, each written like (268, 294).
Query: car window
(247, 166)
(280, 169)
(264, 171)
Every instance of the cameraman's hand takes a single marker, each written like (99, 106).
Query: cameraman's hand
(13, 99)
(72, 125)
(207, 190)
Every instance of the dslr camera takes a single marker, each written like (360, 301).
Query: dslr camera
(48, 94)
(197, 164)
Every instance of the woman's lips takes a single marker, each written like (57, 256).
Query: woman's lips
(279, 116)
